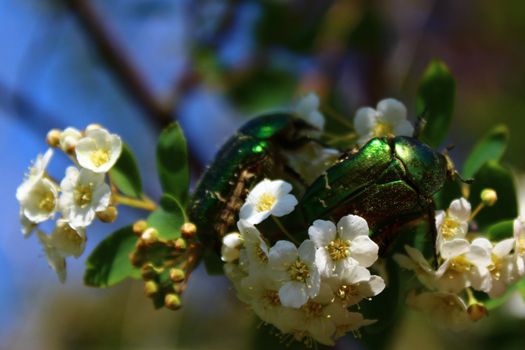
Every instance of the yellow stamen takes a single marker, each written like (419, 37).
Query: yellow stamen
(460, 264)
(313, 309)
(382, 128)
(266, 202)
(83, 195)
(338, 249)
(299, 271)
(99, 157)
(47, 202)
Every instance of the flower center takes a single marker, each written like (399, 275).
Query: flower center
(495, 267)
(347, 292)
(298, 271)
(47, 201)
(338, 249)
(99, 157)
(382, 128)
(266, 202)
(313, 309)
(271, 298)
(460, 264)
(261, 255)
(83, 195)
(450, 228)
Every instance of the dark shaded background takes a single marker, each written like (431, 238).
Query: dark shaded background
(134, 65)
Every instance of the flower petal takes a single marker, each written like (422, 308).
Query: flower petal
(352, 226)
(322, 232)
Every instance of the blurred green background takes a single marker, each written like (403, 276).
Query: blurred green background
(134, 65)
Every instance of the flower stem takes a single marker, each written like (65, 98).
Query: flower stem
(284, 230)
(330, 112)
(476, 211)
(144, 203)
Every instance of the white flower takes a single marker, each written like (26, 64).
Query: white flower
(38, 199)
(447, 310)
(415, 261)
(67, 240)
(297, 270)
(254, 255)
(356, 284)
(54, 259)
(501, 267)
(231, 247)
(268, 198)
(308, 109)
(465, 264)
(342, 247)
(84, 194)
(37, 194)
(37, 170)
(69, 139)
(389, 119)
(519, 246)
(452, 223)
(311, 160)
(98, 150)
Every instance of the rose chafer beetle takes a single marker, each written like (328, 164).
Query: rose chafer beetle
(253, 153)
(390, 182)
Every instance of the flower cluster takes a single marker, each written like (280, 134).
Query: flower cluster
(308, 290)
(466, 262)
(80, 197)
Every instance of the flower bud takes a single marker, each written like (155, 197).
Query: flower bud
(177, 275)
(231, 247)
(150, 235)
(172, 301)
(53, 137)
(180, 244)
(139, 227)
(148, 272)
(188, 230)
(109, 215)
(150, 288)
(489, 197)
(477, 312)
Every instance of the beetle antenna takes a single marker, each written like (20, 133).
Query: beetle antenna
(462, 179)
(421, 123)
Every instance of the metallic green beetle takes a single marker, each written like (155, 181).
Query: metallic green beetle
(389, 182)
(249, 156)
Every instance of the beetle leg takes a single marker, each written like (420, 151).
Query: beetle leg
(420, 123)
(431, 213)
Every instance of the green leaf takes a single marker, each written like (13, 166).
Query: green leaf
(172, 162)
(491, 147)
(501, 230)
(109, 263)
(495, 176)
(168, 218)
(435, 101)
(125, 174)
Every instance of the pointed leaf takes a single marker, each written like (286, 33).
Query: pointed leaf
(435, 101)
(172, 163)
(491, 147)
(168, 218)
(109, 263)
(501, 230)
(494, 175)
(125, 174)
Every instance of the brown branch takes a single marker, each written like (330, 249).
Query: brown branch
(119, 63)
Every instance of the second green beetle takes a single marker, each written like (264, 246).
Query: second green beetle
(389, 182)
